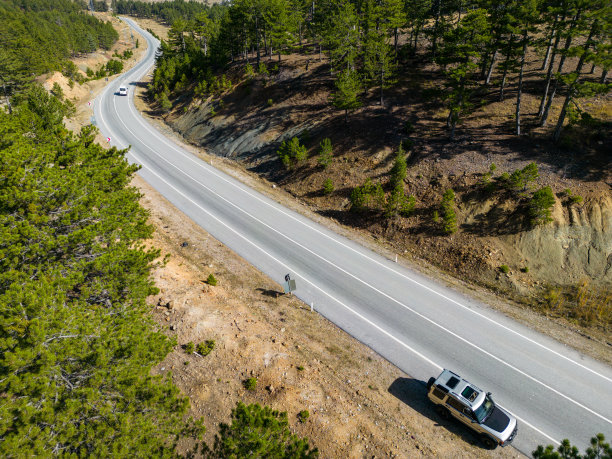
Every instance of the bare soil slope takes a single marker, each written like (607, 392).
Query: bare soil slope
(250, 122)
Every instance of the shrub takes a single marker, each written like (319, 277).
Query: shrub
(291, 152)
(398, 203)
(248, 71)
(211, 280)
(362, 196)
(520, 179)
(206, 347)
(325, 153)
(300, 368)
(164, 102)
(113, 67)
(226, 83)
(303, 415)
(525, 269)
(408, 127)
(572, 198)
(189, 347)
(398, 171)
(200, 89)
(137, 43)
(221, 104)
(328, 186)
(436, 216)
(262, 69)
(212, 111)
(448, 212)
(540, 206)
(270, 102)
(504, 269)
(250, 384)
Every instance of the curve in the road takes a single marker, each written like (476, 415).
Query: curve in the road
(541, 380)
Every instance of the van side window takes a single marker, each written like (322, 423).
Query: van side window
(438, 393)
(455, 404)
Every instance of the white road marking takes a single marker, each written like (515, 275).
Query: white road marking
(509, 365)
(214, 172)
(200, 164)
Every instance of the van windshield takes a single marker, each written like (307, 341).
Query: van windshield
(484, 410)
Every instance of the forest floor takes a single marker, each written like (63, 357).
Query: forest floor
(360, 405)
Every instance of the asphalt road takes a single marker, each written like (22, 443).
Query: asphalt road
(419, 325)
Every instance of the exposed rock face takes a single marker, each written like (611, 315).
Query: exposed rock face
(577, 245)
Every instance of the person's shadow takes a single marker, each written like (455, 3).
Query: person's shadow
(413, 393)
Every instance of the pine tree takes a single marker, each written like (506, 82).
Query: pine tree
(398, 171)
(346, 96)
(259, 432)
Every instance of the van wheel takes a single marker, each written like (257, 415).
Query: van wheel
(488, 442)
(443, 412)
(430, 383)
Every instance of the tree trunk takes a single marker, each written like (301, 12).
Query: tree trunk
(436, 23)
(382, 82)
(520, 85)
(550, 43)
(503, 82)
(258, 40)
(396, 35)
(572, 88)
(604, 76)
(491, 65)
(568, 43)
(592, 69)
(549, 74)
(8, 100)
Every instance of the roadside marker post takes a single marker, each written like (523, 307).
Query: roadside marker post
(289, 285)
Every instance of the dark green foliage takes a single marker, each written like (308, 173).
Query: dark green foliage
(303, 415)
(346, 96)
(520, 179)
(328, 186)
(77, 337)
(599, 449)
(211, 280)
(40, 36)
(398, 171)
(164, 102)
(572, 198)
(369, 194)
(206, 347)
(113, 67)
(397, 203)
(190, 347)
(448, 212)
(250, 383)
(325, 153)
(504, 269)
(292, 152)
(260, 433)
(540, 206)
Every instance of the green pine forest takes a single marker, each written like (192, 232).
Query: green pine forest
(77, 340)
(369, 42)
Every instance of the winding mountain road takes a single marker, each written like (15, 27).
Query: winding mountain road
(417, 324)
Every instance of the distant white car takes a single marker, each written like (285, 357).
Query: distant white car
(122, 91)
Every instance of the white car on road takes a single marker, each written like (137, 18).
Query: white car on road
(123, 91)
